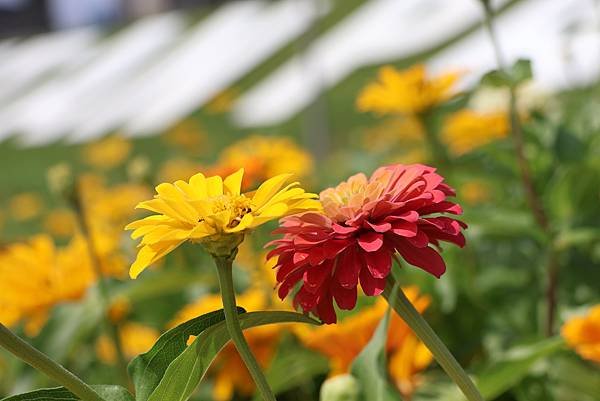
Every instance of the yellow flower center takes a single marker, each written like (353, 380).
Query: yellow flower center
(238, 205)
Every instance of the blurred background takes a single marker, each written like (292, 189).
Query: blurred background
(112, 97)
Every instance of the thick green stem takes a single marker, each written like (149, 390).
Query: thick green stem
(225, 271)
(402, 305)
(44, 364)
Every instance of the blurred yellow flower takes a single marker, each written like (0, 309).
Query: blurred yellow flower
(106, 153)
(107, 210)
(228, 370)
(135, 339)
(60, 223)
(264, 157)
(223, 101)
(188, 136)
(467, 130)
(474, 192)
(401, 139)
(408, 91)
(119, 309)
(35, 276)
(25, 206)
(341, 343)
(178, 169)
(212, 211)
(582, 333)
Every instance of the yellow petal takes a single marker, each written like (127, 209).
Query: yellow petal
(268, 189)
(233, 183)
(198, 183)
(214, 186)
(245, 222)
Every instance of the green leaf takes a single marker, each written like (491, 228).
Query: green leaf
(496, 79)
(186, 371)
(521, 71)
(107, 392)
(146, 370)
(504, 373)
(567, 147)
(370, 368)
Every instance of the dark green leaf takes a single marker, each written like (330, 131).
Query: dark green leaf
(186, 371)
(370, 368)
(146, 370)
(107, 392)
(567, 147)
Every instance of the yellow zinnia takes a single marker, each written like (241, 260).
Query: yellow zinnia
(407, 92)
(212, 211)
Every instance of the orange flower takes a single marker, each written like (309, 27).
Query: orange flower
(583, 334)
(409, 91)
(341, 343)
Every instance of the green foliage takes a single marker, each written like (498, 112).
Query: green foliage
(107, 392)
(370, 367)
(196, 358)
(147, 369)
(514, 75)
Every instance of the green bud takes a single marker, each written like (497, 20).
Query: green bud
(340, 388)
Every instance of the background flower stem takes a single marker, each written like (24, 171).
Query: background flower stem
(533, 199)
(111, 327)
(402, 305)
(225, 273)
(44, 364)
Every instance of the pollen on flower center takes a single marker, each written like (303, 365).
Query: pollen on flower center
(238, 206)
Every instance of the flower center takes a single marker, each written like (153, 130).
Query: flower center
(238, 205)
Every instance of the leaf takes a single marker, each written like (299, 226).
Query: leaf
(146, 370)
(521, 71)
(186, 371)
(567, 147)
(369, 367)
(107, 392)
(511, 369)
(496, 79)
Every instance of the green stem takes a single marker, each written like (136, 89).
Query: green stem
(402, 305)
(438, 151)
(225, 273)
(44, 364)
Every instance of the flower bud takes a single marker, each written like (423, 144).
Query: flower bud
(340, 388)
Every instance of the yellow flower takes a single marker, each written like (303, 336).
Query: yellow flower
(264, 157)
(25, 206)
(409, 91)
(107, 210)
(467, 130)
(60, 223)
(341, 343)
(229, 371)
(212, 211)
(107, 153)
(135, 339)
(36, 276)
(583, 334)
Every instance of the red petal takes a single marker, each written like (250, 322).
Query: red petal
(370, 285)
(325, 309)
(378, 263)
(379, 227)
(370, 242)
(344, 297)
(348, 266)
(425, 258)
(404, 229)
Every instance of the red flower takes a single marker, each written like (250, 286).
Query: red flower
(365, 222)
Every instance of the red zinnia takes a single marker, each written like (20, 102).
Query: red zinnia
(365, 222)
